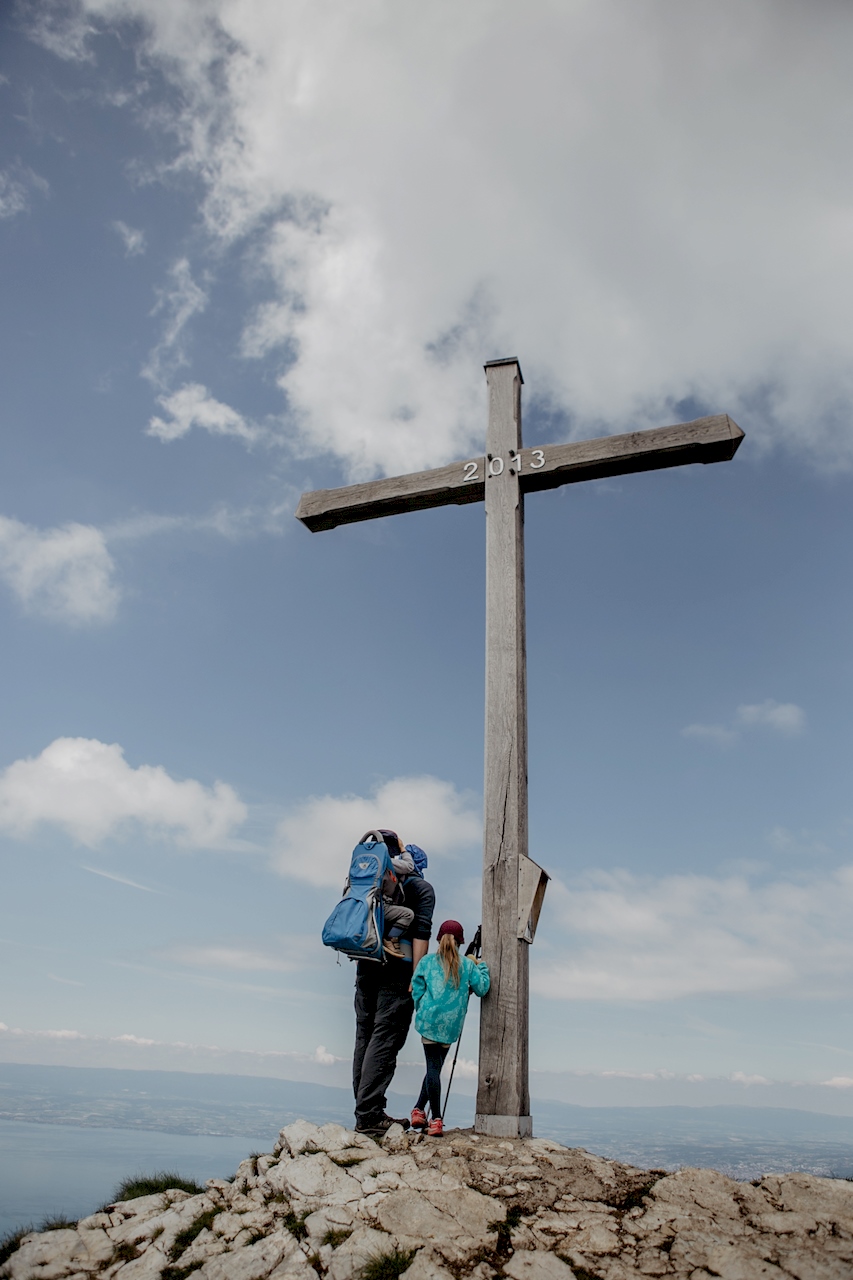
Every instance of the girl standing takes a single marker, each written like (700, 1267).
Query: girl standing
(440, 989)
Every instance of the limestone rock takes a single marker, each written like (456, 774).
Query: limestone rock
(327, 1200)
(337, 1217)
(316, 1180)
(253, 1262)
(410, 1215)
(427, 1266)
(537, 1265)
(303, 1136)
(362, 1245)
(475, 1214)
(47, 1256)
(206, 1245)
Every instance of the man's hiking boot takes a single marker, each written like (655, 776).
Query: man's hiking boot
(380, 1125)
(392, 946)
(373, 1127)
(419, 1120)
(435, 1129)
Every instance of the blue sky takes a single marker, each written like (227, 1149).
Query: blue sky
(253, 249)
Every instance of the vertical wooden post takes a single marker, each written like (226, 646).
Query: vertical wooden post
(503, 1099)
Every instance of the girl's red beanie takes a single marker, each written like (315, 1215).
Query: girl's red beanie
(454, 927)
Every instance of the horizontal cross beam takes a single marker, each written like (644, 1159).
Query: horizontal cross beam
(713, 439)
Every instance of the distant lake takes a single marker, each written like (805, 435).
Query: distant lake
(52, 1168)
(69, 1135)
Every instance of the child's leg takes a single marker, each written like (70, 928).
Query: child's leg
(435, 1055)
(423, 1097)
(397, 918)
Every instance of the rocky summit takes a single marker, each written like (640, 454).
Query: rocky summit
(328, 1202)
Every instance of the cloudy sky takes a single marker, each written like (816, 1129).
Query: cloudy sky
(252, 247)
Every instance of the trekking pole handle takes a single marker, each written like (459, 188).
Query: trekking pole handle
(475, 946)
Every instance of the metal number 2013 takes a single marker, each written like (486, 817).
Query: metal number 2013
(470, 472)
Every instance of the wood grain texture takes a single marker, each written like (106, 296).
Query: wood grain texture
(502, 1095)
(713, 439)
(444, 486)
(705, 440)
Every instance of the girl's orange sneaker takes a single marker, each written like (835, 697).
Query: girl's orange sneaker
(419, 1120)
(436, 1129)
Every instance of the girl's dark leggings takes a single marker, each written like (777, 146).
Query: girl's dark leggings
(431, 1087)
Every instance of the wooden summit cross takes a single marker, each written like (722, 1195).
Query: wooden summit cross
(513, 886)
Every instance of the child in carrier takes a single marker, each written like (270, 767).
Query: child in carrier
(397, 916)
(440, 989)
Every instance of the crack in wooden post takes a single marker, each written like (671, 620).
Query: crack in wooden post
(503, 1104)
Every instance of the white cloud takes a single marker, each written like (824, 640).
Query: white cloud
(178, 301)
(65, 574)
(740, 1077)
(16, 183)
(441, 184)
(193, 406)
(87, 788)
(466, 1068)
(784, 717)
(839, 1082)
(716, 733)
(13, 196)
(132, 238)
(314, 842)
(61, 27)
(689, 935)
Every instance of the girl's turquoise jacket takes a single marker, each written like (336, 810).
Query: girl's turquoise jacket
(440, 1007)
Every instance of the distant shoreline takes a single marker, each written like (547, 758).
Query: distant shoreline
(741, 1141)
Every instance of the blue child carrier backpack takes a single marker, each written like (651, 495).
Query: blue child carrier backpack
(355, 926)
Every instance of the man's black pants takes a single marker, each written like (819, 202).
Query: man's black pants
(383, 1015)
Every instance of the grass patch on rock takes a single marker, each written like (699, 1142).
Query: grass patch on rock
(386, 1266)
(58, 1222)
(152, 1184)
(178, 1273)
(336, 1236)
(634, 1198)
(295, 1223)
(10, 1242)
(126, 1252)
(184, 1238)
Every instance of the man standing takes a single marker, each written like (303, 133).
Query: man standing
(383, 1001)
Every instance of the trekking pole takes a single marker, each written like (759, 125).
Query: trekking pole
(453, 1065)
(474, 948)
